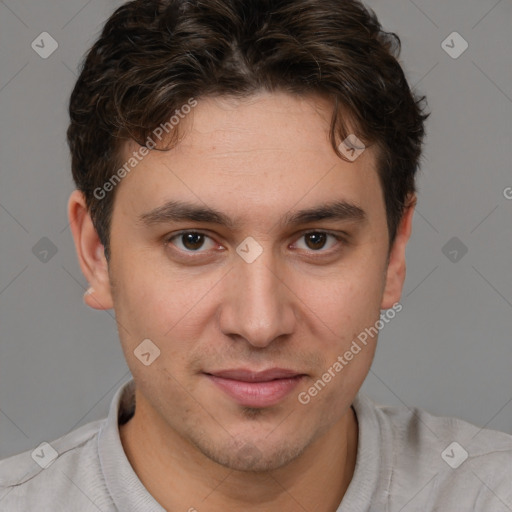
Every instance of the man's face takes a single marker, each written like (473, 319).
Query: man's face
(289, 298)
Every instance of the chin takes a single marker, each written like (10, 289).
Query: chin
(246, 456)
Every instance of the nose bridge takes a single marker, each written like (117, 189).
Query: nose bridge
(259, 308)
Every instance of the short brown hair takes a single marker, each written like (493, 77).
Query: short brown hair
(154, 55)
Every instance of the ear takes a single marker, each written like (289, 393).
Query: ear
(90, 252)
(395, 274)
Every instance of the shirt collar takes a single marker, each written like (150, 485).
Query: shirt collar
(127, 491)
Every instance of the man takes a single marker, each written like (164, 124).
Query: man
(245, 193)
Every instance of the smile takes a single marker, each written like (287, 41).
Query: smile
(256, 389)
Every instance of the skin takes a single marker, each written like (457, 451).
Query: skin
(255, 160)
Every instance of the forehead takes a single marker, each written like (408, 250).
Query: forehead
(262, 155)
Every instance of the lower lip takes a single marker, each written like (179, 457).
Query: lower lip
(257, 394)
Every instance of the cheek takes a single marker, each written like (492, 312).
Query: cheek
(158, 302)
(348, 299)
(343, 310)
(345, 316)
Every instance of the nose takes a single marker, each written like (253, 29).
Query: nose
(258, 303)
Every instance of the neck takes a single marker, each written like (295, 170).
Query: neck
(180, 477)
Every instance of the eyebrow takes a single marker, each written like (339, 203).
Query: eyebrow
(178, 211)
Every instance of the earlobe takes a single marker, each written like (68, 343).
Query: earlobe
(395, 274)
(90, 253)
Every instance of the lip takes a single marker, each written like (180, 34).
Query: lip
(256, 388)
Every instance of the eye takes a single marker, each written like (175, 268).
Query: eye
(189, 241)
(316, 240)
(194, 241)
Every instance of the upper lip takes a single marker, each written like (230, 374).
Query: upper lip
(245, 375)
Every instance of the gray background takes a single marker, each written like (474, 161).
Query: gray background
(448, 351)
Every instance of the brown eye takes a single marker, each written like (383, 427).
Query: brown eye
(189, 241)
(192, 241)
(316, 240)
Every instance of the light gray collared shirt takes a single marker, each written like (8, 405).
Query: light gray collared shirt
(407, 460)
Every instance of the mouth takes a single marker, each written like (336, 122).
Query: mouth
(257, 389)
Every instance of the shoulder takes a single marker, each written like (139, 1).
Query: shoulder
(446, 461)
(416, 429)
(54, 473)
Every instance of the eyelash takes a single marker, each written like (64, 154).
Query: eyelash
(338, 237)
